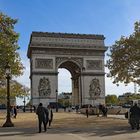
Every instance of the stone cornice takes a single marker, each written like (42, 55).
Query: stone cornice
(67, 35)
(64, 46)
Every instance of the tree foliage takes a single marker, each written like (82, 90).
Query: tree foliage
(111, 99)
(16, 90)
(124, 62)
(9, 55)
(9, 47)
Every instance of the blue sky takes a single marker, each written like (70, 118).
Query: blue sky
(112, 18)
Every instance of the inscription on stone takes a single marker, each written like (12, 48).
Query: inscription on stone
(93, 64)
(43, 63)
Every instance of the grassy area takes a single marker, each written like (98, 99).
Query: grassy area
(64, 120)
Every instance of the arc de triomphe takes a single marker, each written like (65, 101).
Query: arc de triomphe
(81, 54)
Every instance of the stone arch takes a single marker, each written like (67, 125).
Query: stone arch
(81, 54)
(77, 61)
(74, 69)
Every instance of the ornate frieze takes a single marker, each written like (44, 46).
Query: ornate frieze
(94, 64)
(94, 89)
(74, 52)
(70, 46)
(59, 60)
(68, 41)
(44, 88)
(41, 63)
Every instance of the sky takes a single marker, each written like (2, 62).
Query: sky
(111, 18)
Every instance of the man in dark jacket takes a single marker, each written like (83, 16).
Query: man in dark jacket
(134, 116)
(42, 116)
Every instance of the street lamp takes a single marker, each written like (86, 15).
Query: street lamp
(56, 100)
(24, 101)
(8, 122)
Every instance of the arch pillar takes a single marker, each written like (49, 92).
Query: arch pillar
(75, 91)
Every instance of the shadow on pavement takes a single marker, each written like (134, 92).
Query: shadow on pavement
(13, 131)
(90, 131)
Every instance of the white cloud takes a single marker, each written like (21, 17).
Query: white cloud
(24, 79)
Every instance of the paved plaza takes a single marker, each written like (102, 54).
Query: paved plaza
(70, 126)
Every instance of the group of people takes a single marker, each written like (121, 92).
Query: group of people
(103, 109)
(45, 116)
(100, 109)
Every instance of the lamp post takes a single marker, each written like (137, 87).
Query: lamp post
(56, 100)
(24, 101)
(8, 122)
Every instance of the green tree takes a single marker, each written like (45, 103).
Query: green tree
(111, 99)
(124, 62)
(9, 47)
(9, 55)
(16, 90)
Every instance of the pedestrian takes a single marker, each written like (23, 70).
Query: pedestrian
(64, 108)
(97, 111)
(134, 117)
(87, 111)
(15, 112)
(50, 116)
(34, 108)
(100, 109)
(77, 108)
(104, 110)
(41, 112)
(11, 111)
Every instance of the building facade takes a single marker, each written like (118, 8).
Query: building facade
(81, 54)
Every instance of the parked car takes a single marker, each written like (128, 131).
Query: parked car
(2, 106)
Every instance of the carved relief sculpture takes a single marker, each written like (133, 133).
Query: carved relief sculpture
(44, 63)
(94, 88)
(94, 64)
(44, 87)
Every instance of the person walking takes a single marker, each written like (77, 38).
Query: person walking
(15, 111)
(104, 110)
(134, 116)
(50, 116)
(87, 111)
(42, 116)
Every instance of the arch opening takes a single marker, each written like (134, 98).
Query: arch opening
(75, 74)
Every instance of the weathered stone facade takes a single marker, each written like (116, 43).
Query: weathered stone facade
(81, 54)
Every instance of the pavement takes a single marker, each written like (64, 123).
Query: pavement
(113, 127)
